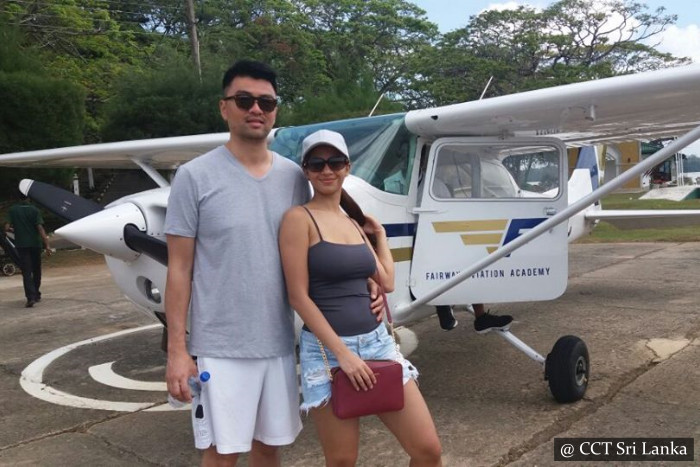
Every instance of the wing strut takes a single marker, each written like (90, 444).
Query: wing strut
(151, 172)
(557, 219)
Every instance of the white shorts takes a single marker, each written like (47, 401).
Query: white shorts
(246, 399)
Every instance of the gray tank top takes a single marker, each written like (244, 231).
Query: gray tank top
(338, 284)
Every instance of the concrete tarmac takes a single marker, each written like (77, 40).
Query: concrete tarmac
(635, 306)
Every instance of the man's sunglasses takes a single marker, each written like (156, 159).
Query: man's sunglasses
(336, 163)
(246, 102)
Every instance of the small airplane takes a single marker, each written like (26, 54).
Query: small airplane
(475, 197)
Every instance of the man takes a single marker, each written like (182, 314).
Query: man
(28, 226)
(224, 268)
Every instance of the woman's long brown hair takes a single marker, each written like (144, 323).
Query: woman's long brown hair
(353, 210)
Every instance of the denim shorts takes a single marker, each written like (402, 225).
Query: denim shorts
(315, 384)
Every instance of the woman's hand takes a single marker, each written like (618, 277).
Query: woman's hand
(361, 376)
(373, 226)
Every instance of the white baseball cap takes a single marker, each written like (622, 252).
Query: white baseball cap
(324, 137)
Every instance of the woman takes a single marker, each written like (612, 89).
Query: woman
(327, 260)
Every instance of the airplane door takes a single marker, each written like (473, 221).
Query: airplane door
(478, 195)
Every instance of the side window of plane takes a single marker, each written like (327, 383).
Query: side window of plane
(534, 171)
(496, 181)
(495, 172)
(454, 174)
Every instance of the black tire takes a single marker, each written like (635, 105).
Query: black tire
(567, 369)
(9, 269)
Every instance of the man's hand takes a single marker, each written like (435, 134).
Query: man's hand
(178, 370)
(377, 301)
(44, 238)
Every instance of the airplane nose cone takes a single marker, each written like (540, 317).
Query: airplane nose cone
(103, 231)
(25, 185)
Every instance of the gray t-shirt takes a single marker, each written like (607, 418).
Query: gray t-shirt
(239, 306)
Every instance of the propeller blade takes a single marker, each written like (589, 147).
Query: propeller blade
(9, 248)
(144, 243)
(63, 203)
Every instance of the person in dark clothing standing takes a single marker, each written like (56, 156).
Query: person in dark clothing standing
(24, 219)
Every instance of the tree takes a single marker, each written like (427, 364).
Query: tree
(368, 36)
(80, 41)
(344, 99)
(164, 100)
(38, 111)
(524, 49)
(315, 43)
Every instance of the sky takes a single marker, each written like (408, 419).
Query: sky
(682, 39)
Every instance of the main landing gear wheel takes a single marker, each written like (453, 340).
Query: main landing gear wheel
(9, 269)
(567, 369)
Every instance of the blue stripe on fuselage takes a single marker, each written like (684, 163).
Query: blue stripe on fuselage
(400, 230)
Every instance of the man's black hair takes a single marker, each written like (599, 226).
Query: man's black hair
(251, 69)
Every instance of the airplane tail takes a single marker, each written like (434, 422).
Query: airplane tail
(584, 179)
(588, 159)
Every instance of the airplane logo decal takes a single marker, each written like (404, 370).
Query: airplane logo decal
(491, 233)
(401, 254)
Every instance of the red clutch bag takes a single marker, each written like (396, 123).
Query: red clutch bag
(385, 396)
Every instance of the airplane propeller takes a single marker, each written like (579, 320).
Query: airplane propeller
(118, 231)
(66, 205)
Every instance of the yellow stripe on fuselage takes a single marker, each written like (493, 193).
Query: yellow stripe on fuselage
(402, 254)
(481, 239)
(470, 226)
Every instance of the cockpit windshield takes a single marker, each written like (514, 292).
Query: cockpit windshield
(381, 148)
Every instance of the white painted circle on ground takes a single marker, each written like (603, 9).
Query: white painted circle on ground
(32, 377)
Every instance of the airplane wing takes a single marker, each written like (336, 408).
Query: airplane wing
(646, 218)
(642, 106)
(159, 153)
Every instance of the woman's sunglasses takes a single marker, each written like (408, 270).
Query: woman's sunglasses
(246, 102)
(336, 163)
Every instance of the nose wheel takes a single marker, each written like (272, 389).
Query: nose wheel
(567, 369)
